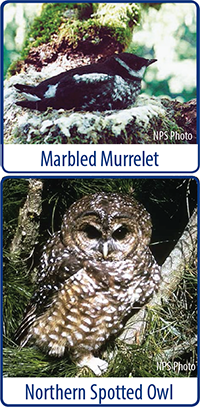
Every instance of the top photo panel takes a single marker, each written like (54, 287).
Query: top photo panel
(100, 73)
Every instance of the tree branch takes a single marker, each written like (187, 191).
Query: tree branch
(25, 238)
(172, 272)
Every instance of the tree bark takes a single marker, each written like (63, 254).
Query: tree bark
(172, 271)
(25, 239)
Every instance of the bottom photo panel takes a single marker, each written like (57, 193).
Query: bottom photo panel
(99, 278)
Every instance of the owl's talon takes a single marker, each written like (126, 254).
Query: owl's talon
(97, 365)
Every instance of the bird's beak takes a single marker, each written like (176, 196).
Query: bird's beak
(151, 61)
(105, 250)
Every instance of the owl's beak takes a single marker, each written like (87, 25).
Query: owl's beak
(105, 250)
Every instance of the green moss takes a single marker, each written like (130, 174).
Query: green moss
(171, 126)
(85, 10)
(15, 67)
(44, 26)
(119, 19)
(111, 20)
(75, 22)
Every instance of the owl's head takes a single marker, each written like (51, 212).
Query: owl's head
(106, 226)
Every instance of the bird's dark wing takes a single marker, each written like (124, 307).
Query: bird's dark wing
(78, 91)
(83, 90)
(40, 105)
(39, 97)
(40, 89)
(24, 88)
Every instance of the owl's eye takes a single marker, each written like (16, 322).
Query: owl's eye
(120, 233)
(92, 232)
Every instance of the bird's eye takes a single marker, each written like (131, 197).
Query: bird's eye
(92, 232)
(120, 233)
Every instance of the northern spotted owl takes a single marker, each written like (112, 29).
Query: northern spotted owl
(93, 274)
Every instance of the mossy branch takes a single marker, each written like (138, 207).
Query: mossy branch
(27, 231)
(172, 272)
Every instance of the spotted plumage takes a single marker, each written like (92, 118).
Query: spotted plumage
(93, 274)
(113, 84)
